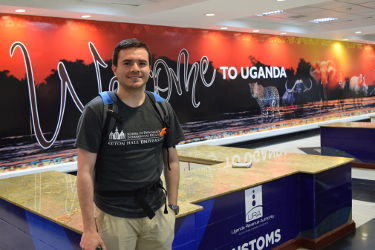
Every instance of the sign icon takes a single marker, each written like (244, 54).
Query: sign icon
(253, 203)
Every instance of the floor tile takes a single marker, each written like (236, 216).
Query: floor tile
(363, 190)
(362, 212)
(360, 173)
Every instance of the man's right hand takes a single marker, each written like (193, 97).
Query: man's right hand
(91, 240)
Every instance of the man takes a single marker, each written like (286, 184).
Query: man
(121, 174)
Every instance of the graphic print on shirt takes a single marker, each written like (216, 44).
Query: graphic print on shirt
(121, 138)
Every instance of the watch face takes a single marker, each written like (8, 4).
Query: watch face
(175, 208)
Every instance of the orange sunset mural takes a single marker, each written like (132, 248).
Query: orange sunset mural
(220, 83)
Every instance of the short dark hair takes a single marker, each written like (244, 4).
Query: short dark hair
(130, 43)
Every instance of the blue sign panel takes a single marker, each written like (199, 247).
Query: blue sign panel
(260, 217)
(268, 215)
(349, 142)
(21, 229)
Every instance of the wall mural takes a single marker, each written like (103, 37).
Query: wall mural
(220, 83)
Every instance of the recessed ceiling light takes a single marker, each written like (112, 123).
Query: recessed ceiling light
(255, 30)
(358, 32)
(223, 28)
(20, 10)
(209, 14)
(323, 20)
(85, 16)
(274, 12)
(280, 0)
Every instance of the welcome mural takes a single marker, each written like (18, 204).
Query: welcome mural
(220, 83)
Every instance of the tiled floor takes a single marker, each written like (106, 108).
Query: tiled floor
(363, 186)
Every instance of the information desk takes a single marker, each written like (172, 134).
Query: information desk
(283, 201)
(353, 138)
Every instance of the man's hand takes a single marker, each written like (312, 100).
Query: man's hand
(91, 240)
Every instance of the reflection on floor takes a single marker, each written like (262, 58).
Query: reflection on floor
(363, 187)
(363, 190)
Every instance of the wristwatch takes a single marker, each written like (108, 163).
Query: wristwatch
(175, 208)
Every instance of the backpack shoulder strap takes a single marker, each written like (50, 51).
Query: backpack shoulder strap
(107, 104)
(110, 104)
(157, 97)
(160, 105)
(107, 99)
(110, 110)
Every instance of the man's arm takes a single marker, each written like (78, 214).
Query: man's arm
(172, 176)
(85, 188)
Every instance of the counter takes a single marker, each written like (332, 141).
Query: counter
(353, 139)
(283, 200)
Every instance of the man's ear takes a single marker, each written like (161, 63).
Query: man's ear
(114, 69)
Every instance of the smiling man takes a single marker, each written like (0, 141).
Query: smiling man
(120, 163)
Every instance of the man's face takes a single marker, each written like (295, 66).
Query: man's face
(133, 68)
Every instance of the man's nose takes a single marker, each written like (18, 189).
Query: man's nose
(135, 67)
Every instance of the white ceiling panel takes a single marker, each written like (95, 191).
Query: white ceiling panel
(238, 15)
(353, 1)
(370, 4)
(126, 2)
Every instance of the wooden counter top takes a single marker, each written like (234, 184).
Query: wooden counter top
(53, 195)
(350, 125)
(291, 162)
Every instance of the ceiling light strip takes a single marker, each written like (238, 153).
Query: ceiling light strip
(274, 12)
(323, 20)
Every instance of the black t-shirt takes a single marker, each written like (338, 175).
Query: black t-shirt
(131, 155)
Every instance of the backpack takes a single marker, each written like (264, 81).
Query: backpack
(111, 116)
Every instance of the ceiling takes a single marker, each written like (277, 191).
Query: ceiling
(236, 15)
